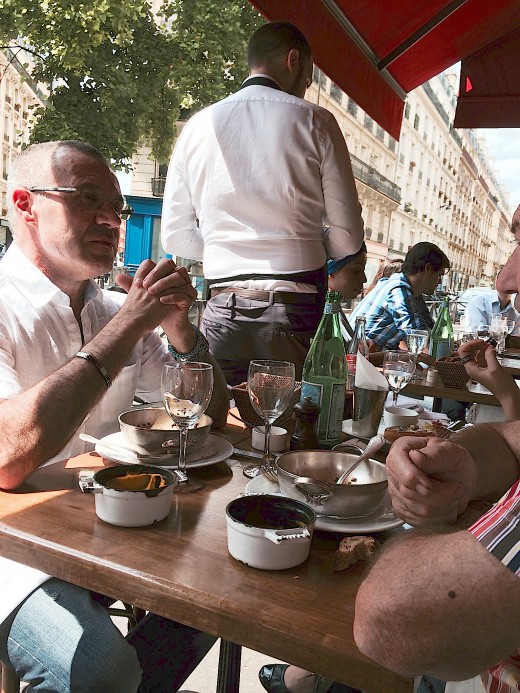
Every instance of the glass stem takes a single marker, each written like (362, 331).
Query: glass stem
(396, 392)
(266, 459)
(183, 435)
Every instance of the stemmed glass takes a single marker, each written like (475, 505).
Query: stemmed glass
(398, 368)
(498, 331)
(270, 385)
(186, 392)
(416, 341)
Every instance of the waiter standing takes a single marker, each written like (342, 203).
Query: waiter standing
(260, 188)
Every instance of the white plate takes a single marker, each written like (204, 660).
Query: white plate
(220, 450)
(375, 522)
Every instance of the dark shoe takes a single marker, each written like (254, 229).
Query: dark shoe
(271, 678)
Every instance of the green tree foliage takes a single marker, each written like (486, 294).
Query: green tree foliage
(118, 75)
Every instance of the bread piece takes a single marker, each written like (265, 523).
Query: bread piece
(394, 432)
(426, 429)
(353, 549)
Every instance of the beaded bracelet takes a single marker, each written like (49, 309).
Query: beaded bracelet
(201, 348)
(94, 361)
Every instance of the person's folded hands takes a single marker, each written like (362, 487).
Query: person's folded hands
(430, 480)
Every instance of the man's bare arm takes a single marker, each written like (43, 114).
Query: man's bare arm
(495, 449)
(440, 605)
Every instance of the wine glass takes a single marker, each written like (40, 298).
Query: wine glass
(398, 368)
(416, 341)
(498, 332)
(270, 385)
(186, 392)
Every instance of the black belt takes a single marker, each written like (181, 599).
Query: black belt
(258, 295)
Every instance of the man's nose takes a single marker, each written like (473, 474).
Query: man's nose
(109, 215)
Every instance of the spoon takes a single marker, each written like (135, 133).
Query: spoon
(116, 449)
(374, 444)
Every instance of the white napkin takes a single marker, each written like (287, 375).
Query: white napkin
(368, 376)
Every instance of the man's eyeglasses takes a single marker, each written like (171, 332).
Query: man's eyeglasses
(91, 199)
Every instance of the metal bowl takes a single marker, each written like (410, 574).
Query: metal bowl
(310, 476)
(146, 429)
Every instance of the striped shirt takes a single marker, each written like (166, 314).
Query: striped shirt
(498, 531)
(390, 310)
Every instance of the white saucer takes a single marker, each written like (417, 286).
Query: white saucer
(375, 522)
(220, 451)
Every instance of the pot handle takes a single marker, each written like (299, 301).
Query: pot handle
(279, 535)
(86, 482)
(313, 490)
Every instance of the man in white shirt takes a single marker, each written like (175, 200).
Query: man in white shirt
(260, 188)
(71, 359)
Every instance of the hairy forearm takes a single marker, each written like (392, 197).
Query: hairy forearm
(438, 604)
(495, 449)
(38, 422)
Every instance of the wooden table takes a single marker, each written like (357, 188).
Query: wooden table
(180, 568)
(440, 392)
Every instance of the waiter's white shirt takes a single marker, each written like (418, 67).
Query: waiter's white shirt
(253, 181)
(38, 335)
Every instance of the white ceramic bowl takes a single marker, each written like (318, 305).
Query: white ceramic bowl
(269, 532)
(277, 440)
(132, 508)
(398, 416)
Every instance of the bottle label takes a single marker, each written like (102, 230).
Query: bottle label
(442, 349)
(330, 397)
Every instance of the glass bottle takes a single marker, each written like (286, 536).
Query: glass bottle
(442, 339)
(305, 435)
(324, 374)
(358, 344)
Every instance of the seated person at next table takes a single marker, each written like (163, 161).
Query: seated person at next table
(459, 615)
(390, 309)
(482, 307)
(347, 276)
(65, 210)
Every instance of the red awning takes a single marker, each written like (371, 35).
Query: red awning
(378, 50)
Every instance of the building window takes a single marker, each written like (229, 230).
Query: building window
(323, 80)
(407, 111)
(335, 92)
(380, 133)
(352, 107)
(391, 143)
(368, 123)
(315, 74)
(416, 122)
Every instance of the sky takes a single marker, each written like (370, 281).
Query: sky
(504, 147)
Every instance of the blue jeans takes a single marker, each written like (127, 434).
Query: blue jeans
(61, 641)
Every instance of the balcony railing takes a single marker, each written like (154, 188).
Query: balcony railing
(367, 174)
(158, 187)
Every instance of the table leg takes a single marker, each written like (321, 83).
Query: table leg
(228, 680)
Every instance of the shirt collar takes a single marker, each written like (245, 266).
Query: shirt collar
(34, 284)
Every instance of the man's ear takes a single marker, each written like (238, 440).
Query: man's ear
(23, 203)
(293, 59)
